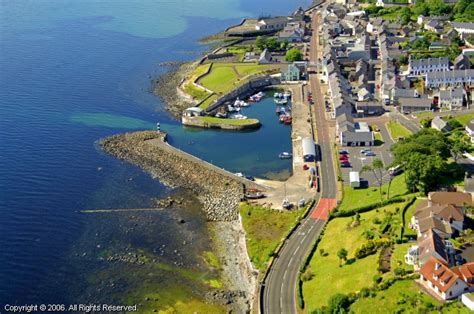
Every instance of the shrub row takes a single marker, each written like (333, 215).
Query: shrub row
(347, 213)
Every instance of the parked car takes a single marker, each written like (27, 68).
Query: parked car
(343, 152)
(250, 178)
(369, 153)
(343, 157)
(346, 164)
(364, 151)
(305, 167)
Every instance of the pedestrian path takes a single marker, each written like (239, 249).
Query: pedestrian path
(324, 207)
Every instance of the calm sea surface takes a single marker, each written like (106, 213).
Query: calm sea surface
(72, 72)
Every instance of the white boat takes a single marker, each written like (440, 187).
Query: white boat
(285, 155)
(281, 101)
(287, 95)
(240, 103)
(260, 94)
(221, 115)
(275, 95)
(232, 109)
(237, 116)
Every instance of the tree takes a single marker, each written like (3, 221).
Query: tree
(272, 43)
(338, 304)
(293, 55)
(284, 45)
(454, 124)
(261, 42)
(377, 170)
(458, 146)
(342, 254)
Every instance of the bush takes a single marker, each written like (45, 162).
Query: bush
(370, 247)
(377, 279)
(293, 55)
(307, 275)
(399, 271)
(364, 292)
(347, 213)
(338, 303)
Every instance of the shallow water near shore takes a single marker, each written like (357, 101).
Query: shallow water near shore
(73, 72)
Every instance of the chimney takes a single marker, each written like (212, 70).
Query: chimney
(437, 266)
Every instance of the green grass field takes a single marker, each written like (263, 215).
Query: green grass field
(403, 296)
(329, 278)
(398, 256)
(464, 118)
(408, 214)
(397, 130)
(264, 229)
(226, 76)
(378, 139)
(358, 197)
(192, 90)
(228, 121)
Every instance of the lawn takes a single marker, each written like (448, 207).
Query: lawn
(264, 230)
(378, 139)
(220, 80)
(354, 198)
(398, 256)
(403, 296)
(408, 214)
(425, 114)
(328, 277)
(228, 121)
(192, 90)
(209, 100)
(226, 76)
(464, 118)
(397, 130)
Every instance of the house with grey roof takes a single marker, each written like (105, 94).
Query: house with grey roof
(431, 244)
(352, 133)
(404, 93)
(440, 125)
(369, 108)
(434, 25)
(292, 73)
(464, 29)
(272, 23)
(453, 98)
(423, 66)
(462, 62)
(411, 105)
(293, 32)
(447, 79)
(265, 57)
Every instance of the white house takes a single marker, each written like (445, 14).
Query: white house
(423, 66)
(455, 78)
(453, 98)
(272, 23)
(442, 281)
(470, 130)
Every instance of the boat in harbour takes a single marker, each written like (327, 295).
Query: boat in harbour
(285, 155)
(281, 101)
(240, 103)
(232, 109)
(237, 116)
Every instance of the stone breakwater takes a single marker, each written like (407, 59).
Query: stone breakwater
(219, 195)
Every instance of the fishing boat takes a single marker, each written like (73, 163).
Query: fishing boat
(285, 155)
(287, 95)
(288, 120)
(221, 115)
(278, 110)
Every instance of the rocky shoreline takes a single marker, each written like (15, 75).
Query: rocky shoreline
(167, 85)
(219, 195)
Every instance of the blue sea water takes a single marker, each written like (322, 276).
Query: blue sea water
(72, 72)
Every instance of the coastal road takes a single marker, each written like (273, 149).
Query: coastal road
(279, 289)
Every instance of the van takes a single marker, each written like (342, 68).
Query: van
(395, 170)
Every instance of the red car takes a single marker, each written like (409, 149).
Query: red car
(305, 167)
(343, 158)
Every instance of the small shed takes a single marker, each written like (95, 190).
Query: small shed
(309, 149)
(354, 179)
(193, 112)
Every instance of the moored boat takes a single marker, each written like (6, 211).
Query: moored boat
(285, 155)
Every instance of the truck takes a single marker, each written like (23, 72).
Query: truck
(354, 179)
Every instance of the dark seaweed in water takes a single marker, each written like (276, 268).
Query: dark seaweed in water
(126, 256)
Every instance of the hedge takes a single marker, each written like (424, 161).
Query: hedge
(347, 213)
